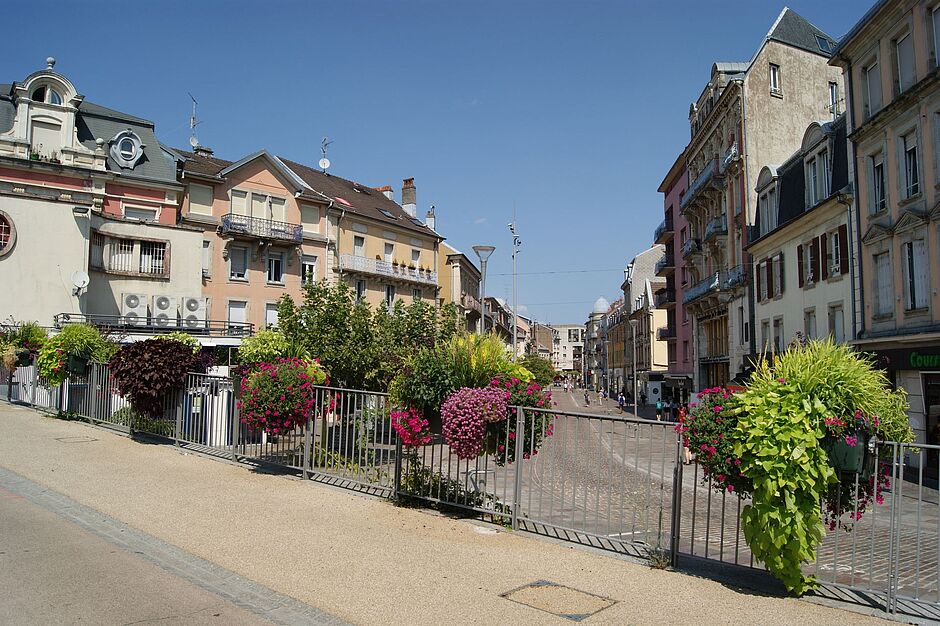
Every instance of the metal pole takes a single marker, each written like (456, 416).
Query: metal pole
(483, 294)
(636, 386)
(517, 486)
(515, 301)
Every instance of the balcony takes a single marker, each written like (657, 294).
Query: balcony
(690, 247)
(701, 182)
(664, 231)
(737, 276)
(665, 332)
(258, 228)
(664, 298)
(141, 325)
(667, 262)
(469, 302)
(716, 228)
(387, 269)
(728, 158)
(712, 284)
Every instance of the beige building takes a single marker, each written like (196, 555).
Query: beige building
(567, 358)
(651, 329)
(890, 61)
(748, 115)
(459, 282)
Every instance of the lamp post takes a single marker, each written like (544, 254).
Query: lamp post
(483, 253)
(516, 243)
(633, 325)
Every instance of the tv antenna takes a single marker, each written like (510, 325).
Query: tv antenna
(193, 140)
(324, 145)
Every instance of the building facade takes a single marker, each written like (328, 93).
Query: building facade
(749, 114)
(640, 275)
(618, 330)
(890, 62)
(594, 361)
(651, 348)
(568, 358)
(459, 281)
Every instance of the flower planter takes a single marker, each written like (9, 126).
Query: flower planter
(24, 359)
(76, 365)
(846, 459)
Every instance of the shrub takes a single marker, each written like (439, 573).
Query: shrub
(146, 371)
(184, 338)
(279, 396)
(266, 346)
(18, 340)
(708, 430)
(424, 383)
(79, 340)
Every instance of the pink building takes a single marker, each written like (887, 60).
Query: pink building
(675, 235)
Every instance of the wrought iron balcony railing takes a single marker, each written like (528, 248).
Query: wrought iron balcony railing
(690, 247)
(737, 276)
(715, 228)
(663, 232)
(667, 261)
(728, 158)
(142, 326)
(704, 287)
(469, 302)
(235, 224)
(664, 297)
(377, 267)
(709, 172)
(665, 332)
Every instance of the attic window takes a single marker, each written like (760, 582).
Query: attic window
(387, 214)
(126, 149)
(416, 221)
(360, 189)
(824, 44)
(47, 95)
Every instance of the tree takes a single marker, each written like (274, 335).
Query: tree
(541, 369)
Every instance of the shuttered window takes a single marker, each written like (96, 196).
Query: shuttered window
(883, 287)
(239, 202)
(200, 199)
(915, 274)
(905, 53)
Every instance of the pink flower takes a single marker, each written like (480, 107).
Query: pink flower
(851, 441)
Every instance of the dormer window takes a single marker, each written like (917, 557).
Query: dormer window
(126, 149)
(47, 95)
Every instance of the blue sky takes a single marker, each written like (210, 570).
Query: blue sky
(570, 111)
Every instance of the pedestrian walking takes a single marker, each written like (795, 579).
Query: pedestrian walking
(587, 398)
(620, 401)
(686, 453)
(659, 409)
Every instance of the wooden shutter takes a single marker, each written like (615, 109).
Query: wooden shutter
(824, 257)
(799, 264)
(844, 249)
(814, 259)
(782, 272)
(769, 268)
(760, 293)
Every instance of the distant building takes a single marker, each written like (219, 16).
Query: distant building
(595, 336)
(568, 357)
(459, 281)
(640, 281)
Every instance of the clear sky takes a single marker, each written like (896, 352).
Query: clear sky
(570, 111)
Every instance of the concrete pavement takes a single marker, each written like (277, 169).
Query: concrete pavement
(357, 558)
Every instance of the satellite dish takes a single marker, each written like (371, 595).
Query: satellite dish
(194, 142)
(324, 163)
(80, 279)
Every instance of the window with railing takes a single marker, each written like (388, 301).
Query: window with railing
(129, 256)
(121, 258)
(152, 257)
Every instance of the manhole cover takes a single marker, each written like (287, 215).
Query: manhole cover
(79, 439)
(559, 600)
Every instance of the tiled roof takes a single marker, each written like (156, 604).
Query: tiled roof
(793, 29)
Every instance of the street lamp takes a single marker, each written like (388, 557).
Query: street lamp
(483, 253)
(633, 325)
(516, 243)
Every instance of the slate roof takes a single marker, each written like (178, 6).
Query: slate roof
(354, 197)
(7, 108)
(793, 29)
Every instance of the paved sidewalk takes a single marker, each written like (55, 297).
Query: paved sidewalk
(358, 558)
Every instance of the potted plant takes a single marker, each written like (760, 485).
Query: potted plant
(54, 157)
(83, 342)
(34, 153)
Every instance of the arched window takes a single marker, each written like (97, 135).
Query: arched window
(47, 95)
(128, 148)
(7, 233)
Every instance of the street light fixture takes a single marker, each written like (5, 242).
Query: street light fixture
(633, 325)
(483, 253)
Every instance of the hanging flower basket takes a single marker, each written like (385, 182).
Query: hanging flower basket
(24, 359)
(850, 455)
(77, 365)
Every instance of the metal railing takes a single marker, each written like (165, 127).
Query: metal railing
(232, 223)
(728, 158)
(140, 326)
(664, 297)
(667, 261)
(737, 276)
(664, 228)
(354, 263)
(714, 228)
(703, 179)
(704, 287)
(665, 332)
(691, 246)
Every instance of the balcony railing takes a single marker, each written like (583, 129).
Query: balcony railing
(663, 232)
(715, 228)
(737, 276)
(377, 267)
(728, 158)
(665, 332)
(704, 287)
(469, 302)
(235, 224)
(690, 247)
(667, 261)
(664, 297)
(142, 326)
(699, 183)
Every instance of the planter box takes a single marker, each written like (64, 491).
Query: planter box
(77, 365)
(846, 459)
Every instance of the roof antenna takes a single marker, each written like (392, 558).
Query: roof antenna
(324, 162)
(193, 140)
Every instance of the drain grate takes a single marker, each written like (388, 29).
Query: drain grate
(559, 600)
(79, 439)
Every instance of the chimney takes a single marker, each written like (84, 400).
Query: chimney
(203, 151)
(408, 197)
(429, 220)
(388, 191)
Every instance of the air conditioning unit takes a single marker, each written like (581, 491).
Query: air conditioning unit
(134, 309)
(194, 312)
(164, 311)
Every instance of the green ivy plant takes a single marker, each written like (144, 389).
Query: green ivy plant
(80, 340)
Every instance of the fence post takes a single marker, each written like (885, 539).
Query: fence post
(308, 429)
(10, 384)
(398, 466)
(236, 420)
(676, 525)
(517, 485)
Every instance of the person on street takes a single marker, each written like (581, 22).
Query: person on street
(686, 453)
(620, 401)
(587, 398)
(659, 410)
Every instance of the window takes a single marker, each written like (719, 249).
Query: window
(206, 258)
(765, 335)
(97, 247)
(359, 246)
(809, 323)
(122, 255)
(910, 173)
(935, 29)
(278, 209)
(837, 323)
(239, 202)
(308, 269)
(237, 311)
(415, 256)
(47, 95)
(360, 290)
(812, 184)
(871, 89)
(915, 274)
(823, 159)
(884, 289)
(389, 294)
(276, 268)
(774, 78)
(824, 44)
(742, 325)
(200, 200)
(878, 200)
(310, 218)
(778, 334)
(389, 252)
(238, 263)
(152, 257)
(270, 315)
(685, 351)
(834, 99)
(127, 148)
(416, 295)
(387, 214)
(834, 252)
(767, 207)
(777, 274)
(904, 49)
(140, 214)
